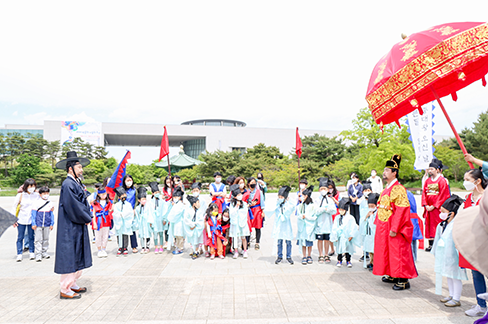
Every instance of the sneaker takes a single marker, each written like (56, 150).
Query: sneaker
(221, 256)
(476, 310)
(427, 249)
(119, 252)
(194, 256)
(236, 255)
(19, 257)
(100, 254)
(38, 259)
(483, 296)
(32, 256)
(339, 264)
(244, 255)
(445, 299)
(278, 260)
(104, 253)
(349, 265)
(26, 248)
(176, 252)
(126, 252)
(212, 257)
(331, 253)
(46, 256)
(453, 303)
(207, 255)
(256, 246)
(290, 260)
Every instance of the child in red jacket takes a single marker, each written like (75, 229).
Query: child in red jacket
(102, 219)
(216, 240)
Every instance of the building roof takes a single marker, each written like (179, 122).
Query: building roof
(215, 122)
(181, 161)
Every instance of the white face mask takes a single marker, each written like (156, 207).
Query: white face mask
(366, 194)
(302, 186)
(31, 190)
(218, 179)
(323, 192)
(331, 190)
(225, 218)
(372, 210)
(128, 184)
(175, 200)
(469, 185)
(45, 197)
(239, 197)
(443, 216)
(241, 185)
(196, 194)
(373, 174)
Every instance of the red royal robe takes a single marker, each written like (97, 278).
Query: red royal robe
(256, 210)
(393, 255)
(434, 193)
(463, 263)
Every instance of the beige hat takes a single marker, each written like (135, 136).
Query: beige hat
(470, 234)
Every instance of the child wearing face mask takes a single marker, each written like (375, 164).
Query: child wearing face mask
(123, 216)
(325, 209)
(343, 233)
(363, 211)
(193, 225)
(282, 230)
(42, 223)
(369, 229)
(335, 196)
(216, 241)
(218, 192)
(143, 220)
(175, 218)
(239, 228)
(306, 221)
(158, 209)
(446, 254)
(102, 210)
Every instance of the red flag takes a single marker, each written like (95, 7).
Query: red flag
(298, 147)
(164, 145)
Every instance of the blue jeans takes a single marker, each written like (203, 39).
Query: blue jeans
(288, 249)
(414, 250)
(26, 238)
(479, 286)
(20, 238)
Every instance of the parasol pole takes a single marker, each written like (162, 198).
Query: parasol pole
(460, 142)
(169, 166)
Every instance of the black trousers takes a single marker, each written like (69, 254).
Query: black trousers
(258, 235)
(348, 257)
(125, 241)
(354, 211)
(133, 240)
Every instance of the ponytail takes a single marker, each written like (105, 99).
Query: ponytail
(477, 174)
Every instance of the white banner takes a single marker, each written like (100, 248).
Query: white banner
(421, 132)
(90, 132)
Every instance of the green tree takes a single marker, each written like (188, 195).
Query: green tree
(137, 173)
(221, 161)
(322, 149)
(36, 146)
(52, 152)
(4, 152)
(475, 139)
(452, 158)
(28, 167)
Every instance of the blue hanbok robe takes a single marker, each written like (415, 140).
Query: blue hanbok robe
(282, 229)
(194, 219)
(143, 219)
(306, 226)
(446, 254)
(73, 252)
(158, 208)
(238, 222)
(344, 227)
(325, 209)
(175, 218)
(363, 211)
(368, 232)
(123, 215)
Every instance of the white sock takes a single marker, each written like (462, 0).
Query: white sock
(70, 293)
(75, 286)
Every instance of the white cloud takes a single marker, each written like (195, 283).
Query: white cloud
(15, 113)
(40, 117)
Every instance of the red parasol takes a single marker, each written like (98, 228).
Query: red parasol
(425, 66)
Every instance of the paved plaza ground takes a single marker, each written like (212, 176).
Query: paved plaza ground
(162, 288)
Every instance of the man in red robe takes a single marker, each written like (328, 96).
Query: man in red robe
(434, 193)
(393, 258)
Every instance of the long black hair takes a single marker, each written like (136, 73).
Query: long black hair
(477, 174)
(334, 189)
(165, 186)
(123, 182)
(27, 183)
(209, 210)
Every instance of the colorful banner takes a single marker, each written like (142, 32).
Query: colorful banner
(421, 129)
(90, 132)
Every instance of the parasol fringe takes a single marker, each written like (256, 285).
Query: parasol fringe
(421, 111)
(483, 81)
(454, 96)
(398, 124)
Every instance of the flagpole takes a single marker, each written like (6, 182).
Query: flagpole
(298, 170)
(169, 166)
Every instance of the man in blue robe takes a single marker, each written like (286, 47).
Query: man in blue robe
(73, 253)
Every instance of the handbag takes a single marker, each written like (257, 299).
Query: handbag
(17, 210)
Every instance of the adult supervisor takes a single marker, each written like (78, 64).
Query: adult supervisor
(73, 252)
(393, 256)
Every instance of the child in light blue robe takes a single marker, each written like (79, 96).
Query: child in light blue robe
(239, 227)
(325, 209)
(306, 222)
(363, 211)
(123, 216)
(143, 220)
(193, 224)
(446, 254)
(176, 232)
(344, 232)
(158, 208)
(369, 229)
(282, 229)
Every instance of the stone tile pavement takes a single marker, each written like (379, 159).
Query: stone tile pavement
(162, 288)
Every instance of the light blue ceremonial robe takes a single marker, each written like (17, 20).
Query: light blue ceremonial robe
(325, 209)
(306, 226)
(164, 217)
(282, 229)
(342, 232)
(175, 218)
(446, 254)
(158, 208)
(369, 231)
(123, 215)
(238, 222)
(193, 224)
(144, 219)
(363, 211)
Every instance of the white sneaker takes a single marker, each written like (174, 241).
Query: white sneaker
(32, 256)
(104, 253)
(19, 257)
(476, 310)
(100, 254)
(483, 296)
(236, 254)
(244, 255)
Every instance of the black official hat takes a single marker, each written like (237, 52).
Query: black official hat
(308, 191)
(154, 186)
(284, 191)
(323, 182)
(453, 203)
(235, 190)
(373, 198)
(394, 163)
(141, 192)
(192, 199)
(178, 192)
(72, 156)
(196, 185)
(367, 185)
(344, 203)
(120, 191)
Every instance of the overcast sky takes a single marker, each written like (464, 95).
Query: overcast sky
(268, 63)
